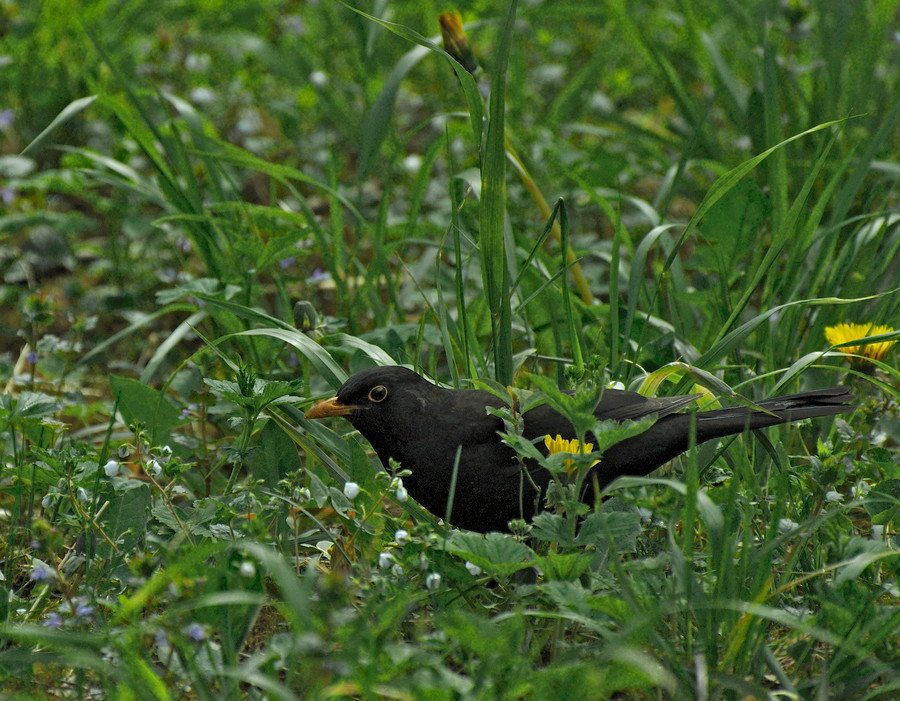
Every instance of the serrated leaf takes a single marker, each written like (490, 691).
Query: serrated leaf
(28, 405)
(609, 433)
(622, 526)
(495, 553)
(567, 595)
(551, 528)
(564, 566)
(578, 407)
(612, 606)
(521, 445)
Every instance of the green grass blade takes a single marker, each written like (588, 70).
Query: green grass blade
(733, 339)
(784, 234)
(377, 122)
(470, 88)
(69, 111)
(574, 339)
(732, 178)
(492, 240)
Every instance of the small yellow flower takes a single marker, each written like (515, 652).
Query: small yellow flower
(563, 445)
(842, 333)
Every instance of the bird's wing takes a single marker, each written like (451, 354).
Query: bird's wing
(621, 405)
(542, 421)
(615, 405)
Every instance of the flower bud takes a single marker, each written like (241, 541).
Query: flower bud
(305, 317)
(351, 490)
(456, 43)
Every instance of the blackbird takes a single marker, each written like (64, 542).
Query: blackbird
(421, 426)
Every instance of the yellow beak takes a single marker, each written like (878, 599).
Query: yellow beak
(328, 407)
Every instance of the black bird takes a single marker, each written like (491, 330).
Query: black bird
(421, 425)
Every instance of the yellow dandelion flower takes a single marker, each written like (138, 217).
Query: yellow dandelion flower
(565, 445)
(842, 333)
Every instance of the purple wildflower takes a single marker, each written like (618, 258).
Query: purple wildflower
(196, 633)
(40, 573)
(318, 275)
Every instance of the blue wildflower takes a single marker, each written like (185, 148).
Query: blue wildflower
(53, 620)
(196, 632)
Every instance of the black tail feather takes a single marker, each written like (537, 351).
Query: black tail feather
(670, 436)
(779, 410)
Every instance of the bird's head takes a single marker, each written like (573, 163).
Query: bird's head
(385, 404)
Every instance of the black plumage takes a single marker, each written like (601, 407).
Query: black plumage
(421, 425)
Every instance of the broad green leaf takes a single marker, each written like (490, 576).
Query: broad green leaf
(28, 405)
(623, 526)
(139, 403)
(564, 566)
(276, 457)
(125, 519)
(495, 553)
(551, 528)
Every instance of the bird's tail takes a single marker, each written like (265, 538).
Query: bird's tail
(670, 436)
(791, 407)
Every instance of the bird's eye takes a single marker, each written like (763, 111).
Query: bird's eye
(378, 393)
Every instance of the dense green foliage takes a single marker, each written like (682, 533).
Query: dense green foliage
(175, 176)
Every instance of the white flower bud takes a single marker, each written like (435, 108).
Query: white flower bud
(351, 490)
(785, 525)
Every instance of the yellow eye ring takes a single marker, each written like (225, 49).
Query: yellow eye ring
(378, 393)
